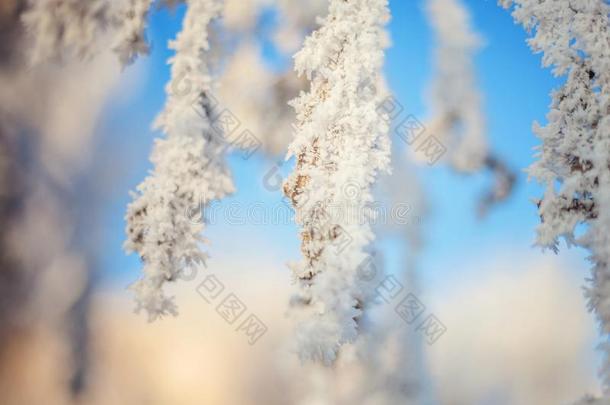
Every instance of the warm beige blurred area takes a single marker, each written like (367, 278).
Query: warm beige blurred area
(513, 337)
(48, 209)
(518, 333)
(195, 358)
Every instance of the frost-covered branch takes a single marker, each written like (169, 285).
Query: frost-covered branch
(574, 158)
(297, 19)
(130, 38)
(57, 26)
(255, 93)
(458, 118)
(259, 97)
(60, 27)
(341, 144)
(189, 169)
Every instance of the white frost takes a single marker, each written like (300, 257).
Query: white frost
(341, 144)
(574, 158)
(189, 169)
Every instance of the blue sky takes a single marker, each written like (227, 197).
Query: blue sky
(516, 93)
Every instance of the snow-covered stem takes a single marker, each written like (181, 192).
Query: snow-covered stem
(574, 158)
(457, 114)
(340, 145)
(131, 39)
(189, 169)
(458, 117)
(259, 95)
(64, 27)
(57, 26)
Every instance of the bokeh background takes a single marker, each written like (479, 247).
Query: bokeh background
(76, 138)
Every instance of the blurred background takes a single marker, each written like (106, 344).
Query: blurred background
(75, 136)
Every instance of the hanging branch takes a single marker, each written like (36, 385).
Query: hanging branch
(574, 158)
(189, 169)
(130, 39)
(57, 26)
(458, 121)
(60, 27)
(341, 144)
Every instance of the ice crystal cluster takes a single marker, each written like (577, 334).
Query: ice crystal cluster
(130, 39)
(259, 97)
(340, 146)
(189, 169)
(458, 117)
(256, 93)
(574, 158)
(60, 27)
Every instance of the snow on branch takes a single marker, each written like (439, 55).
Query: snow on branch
(60, 27)
(189, 169)
(341, 144)
(458, 118)
(259, 95)
(131, 39)
(573, 161)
